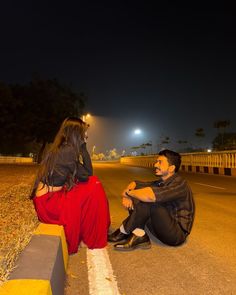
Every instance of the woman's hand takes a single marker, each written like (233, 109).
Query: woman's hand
(86, 137)
(127, 203)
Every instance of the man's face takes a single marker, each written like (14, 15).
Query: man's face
(163, 168)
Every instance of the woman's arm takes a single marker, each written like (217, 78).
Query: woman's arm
(84, 169)
(87, 163)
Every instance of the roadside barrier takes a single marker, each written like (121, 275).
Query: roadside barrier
(15, 160)
(221, 163)
(41, 266)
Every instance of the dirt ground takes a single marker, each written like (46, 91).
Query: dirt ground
(17, 215)
(11, 175)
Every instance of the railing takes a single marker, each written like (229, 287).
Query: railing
(224, 159)
(15, 160)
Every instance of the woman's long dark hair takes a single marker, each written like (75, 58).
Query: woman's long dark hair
(72, 132)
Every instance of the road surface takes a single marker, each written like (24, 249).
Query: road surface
(205, 264)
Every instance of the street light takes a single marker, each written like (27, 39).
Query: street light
(137, 131)
(84, 117)
(137, 135)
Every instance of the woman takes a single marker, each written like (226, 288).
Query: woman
(66, 193)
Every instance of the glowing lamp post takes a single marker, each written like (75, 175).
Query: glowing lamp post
(85, 117)
(137, 134)
(137, 131)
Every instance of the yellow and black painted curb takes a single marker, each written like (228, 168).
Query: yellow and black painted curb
(209, 170)
(41, 267)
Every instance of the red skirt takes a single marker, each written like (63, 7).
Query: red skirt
(83, 211)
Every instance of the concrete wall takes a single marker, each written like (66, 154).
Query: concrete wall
(222, 163)
(15, 160)
(41, 266)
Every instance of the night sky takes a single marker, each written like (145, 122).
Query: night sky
(167, 69)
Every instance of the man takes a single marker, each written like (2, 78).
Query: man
(166, 206)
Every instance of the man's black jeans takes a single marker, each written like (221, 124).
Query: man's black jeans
(158, 220)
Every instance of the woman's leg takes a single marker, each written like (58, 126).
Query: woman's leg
(95, 216)
(91, 218)
(57, 208)
(83, 211)
(49, 207)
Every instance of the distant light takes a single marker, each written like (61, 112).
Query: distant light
(137, 131)
(209, 150)
(84, 117)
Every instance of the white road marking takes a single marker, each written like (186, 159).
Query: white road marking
(218, 187)
(100, 273)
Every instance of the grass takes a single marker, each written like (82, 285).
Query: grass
(18, 218)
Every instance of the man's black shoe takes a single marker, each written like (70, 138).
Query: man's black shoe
(134, 242)
(117, 236)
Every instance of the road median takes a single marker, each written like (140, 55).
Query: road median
(41, 266)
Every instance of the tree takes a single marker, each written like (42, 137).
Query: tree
(166, 140)
(199, 132)
(143, 146)
(35, 111)
(228, 144)
(98, 157)
(51, 102)
(149, 144)
(182, 141)
(113, 154)
(221, 125)
(12, 132)
(183, 144)
(135, 148)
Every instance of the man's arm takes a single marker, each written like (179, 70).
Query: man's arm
(126, 200)
(131, 186)
(143, 194)
(177, 189)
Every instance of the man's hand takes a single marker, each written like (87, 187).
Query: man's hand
(127, 203)
(126, 200)
(130, 187)
(145, 194)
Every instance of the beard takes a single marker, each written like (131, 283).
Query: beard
(161, 173)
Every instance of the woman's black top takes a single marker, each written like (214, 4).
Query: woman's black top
(67, 162)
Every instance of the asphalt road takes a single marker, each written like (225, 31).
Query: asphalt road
(205, 264)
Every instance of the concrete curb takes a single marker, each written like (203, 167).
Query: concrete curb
(41, 267)
(16, 160)
(209, 170)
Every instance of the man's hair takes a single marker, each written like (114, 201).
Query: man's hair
(172, 157)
